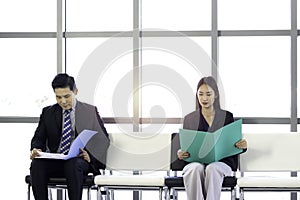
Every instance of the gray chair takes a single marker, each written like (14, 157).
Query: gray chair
(175, 183)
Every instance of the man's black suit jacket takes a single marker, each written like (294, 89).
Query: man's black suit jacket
(48, 134)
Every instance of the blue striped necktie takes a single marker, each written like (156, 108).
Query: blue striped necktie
(67, 133)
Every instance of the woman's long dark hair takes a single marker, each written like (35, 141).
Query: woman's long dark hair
(210, 81)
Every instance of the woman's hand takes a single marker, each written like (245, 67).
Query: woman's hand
(84, 154)
(241, 144)
(34, 153)
(182, 154)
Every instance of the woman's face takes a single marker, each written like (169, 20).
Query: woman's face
(206, 96)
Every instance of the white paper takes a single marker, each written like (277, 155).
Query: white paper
(52, 155)
(80, 142)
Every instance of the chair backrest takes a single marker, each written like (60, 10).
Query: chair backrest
(176, 164)
(271, 152)
(139, 151)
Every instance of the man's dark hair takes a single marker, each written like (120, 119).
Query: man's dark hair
(63, 80)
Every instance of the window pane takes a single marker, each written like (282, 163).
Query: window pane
(254, 14)
(18, 162)
(298, 87)
(298, 14)
(161, 128)
(103, 68)
(28, 67)
(118, 128)
(255, 74)
(29, 15)
(95, 15)
(78, 50)
(171, 69)
(176, 14)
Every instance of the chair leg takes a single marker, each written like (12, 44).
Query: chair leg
(233, 193)
(169, 194)
(112, 194)
(105, 192)
(99, 193)
(241, 194)
(50, 194)
(88, 193)
(60, 194)
(175, 194)
(165, 193)
(160, 193)
(28, 192)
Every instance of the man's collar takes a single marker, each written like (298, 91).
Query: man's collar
(74, 105)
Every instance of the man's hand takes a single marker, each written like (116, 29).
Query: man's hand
(84, 154)
(34, 153)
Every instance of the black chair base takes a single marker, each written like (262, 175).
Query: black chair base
(177, 181)
(60, 183)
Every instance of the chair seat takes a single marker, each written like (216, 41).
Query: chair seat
(269, 182)
(229, 181)
(129, 180)
(88, 181)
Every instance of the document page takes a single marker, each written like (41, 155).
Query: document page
(207, 147)
(80, 142)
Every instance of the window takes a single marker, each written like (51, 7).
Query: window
(174, 46)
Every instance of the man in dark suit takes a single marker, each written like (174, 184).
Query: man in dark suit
(48, 137)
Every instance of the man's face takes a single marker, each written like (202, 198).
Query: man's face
(65, 97)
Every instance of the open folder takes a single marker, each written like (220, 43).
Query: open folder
(208, 147)
(80, 142)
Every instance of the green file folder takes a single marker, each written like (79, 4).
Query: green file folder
(208, 147)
